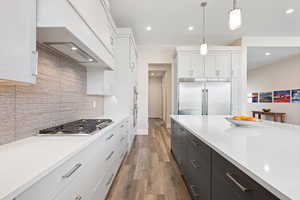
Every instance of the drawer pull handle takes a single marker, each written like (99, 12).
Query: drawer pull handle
(72, 171)
(78, 197)
(195, 143)
(239, 185)
(108, 138)
(193, 187)
(109, 156)
(194, 164)
(122, 139)
(109, 180)
(122, 126)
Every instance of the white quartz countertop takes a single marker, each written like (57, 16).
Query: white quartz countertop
(26, 161)
(269, 153)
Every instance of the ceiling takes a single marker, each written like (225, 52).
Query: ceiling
(170, 19)
(156, 74)
(257, 55)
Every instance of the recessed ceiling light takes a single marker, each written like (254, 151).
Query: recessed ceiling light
(91, 60)
(289, 11)
(267, 53)
(191, 28)
(74, 48)
(152, 74)
(148, 28)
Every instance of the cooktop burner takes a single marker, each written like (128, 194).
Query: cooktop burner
(79, 127)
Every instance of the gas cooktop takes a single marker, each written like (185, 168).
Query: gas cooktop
(79, 127)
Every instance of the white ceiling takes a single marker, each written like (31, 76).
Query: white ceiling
(156, 73)
(170, 20)
(257, 58)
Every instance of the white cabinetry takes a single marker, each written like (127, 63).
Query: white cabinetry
(18, 56)
(95, 15)
(82, 23)
(191, 65)
(124, 100)
(217, 64)
(100, 82)
(81, 177)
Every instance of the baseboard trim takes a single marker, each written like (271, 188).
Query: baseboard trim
(142, 132)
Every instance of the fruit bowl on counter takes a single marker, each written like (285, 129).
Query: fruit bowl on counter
(243, 121)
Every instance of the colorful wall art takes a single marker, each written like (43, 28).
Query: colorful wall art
(265, 97)
(254, 97)
(296, 96)
(282, 96)
(279, 96)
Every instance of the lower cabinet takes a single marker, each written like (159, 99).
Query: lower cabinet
(198, 168)
(209, 176)
(228, 182)
(89, 174)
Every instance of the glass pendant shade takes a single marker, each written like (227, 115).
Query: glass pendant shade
(235, 19)
(203, 49)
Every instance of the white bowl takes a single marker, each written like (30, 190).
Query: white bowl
(243, 122)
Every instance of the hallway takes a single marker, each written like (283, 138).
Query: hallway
(149, 171)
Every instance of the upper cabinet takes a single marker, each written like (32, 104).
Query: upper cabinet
(87, 25)
(18, 56)
(217, 64)
(97, 17)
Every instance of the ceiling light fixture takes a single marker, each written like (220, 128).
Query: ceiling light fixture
(235, 17)
(74, 48)
(152, 74)
(191, 28)
(203, 47)
(91, 60)
(267, 53)
(289, 11)
(148, 28)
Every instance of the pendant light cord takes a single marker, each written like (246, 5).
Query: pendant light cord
(203, 4)
(234, 4)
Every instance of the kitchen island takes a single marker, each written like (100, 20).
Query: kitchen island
(222, 162)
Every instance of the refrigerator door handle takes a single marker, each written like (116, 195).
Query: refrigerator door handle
(206, 100)
(203, 102)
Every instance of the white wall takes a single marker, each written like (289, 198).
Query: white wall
(155, 98)
(260, 42)
(281, 75)
(149, 55)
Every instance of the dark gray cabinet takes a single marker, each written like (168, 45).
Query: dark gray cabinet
(228, 182)
(209, 176)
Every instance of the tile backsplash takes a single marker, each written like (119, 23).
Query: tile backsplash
(58, 97)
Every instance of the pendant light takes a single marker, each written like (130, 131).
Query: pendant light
(235, 17)
(203, 47)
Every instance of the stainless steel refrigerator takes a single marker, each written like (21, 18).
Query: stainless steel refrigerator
(204, 98)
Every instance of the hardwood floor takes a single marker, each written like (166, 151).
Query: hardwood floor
(149, 171)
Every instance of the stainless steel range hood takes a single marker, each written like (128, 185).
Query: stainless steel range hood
(71, 50)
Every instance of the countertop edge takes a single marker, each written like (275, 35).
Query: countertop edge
(24, 187)
(252, 175)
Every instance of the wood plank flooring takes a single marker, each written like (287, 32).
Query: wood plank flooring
(149, 171)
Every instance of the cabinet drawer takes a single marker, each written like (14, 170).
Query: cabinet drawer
(60, 178)
(198, 168)
(228, 182)
(199, 151)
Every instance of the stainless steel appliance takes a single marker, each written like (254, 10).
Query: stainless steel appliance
(79, 127)
(204, 98)
(135, 106)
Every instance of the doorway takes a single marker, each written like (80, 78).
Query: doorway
(156, 94)
(160, 92)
